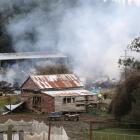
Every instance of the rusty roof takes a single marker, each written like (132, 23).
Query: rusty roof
(80, 92)
(59, 81)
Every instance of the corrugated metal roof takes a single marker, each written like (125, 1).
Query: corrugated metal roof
(57, 81)
(81, 92)
(30, 55)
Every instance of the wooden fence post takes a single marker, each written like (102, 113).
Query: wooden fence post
(21, 135)
(9, 132)
(90, 131)
(49, 132)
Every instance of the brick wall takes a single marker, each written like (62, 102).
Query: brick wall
(47, 102)
(26, 97)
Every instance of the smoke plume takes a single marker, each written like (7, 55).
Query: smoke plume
(93, 33)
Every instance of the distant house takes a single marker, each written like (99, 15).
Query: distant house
(49, 93)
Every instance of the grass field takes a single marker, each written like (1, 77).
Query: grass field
(116, 134)
(5, 100)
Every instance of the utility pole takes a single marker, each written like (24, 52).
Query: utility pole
(10, 103)
(125, 58)
(125, 68)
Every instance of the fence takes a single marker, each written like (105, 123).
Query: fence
(113, 131)
(21, 130)
(77, 130)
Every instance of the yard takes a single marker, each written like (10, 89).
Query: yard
(116, 134)
(80, 130)
(5, 100)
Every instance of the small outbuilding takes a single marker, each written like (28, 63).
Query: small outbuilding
(49, 93)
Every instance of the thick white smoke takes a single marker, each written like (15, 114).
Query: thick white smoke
(93, 33)
(97, 37)
(127, 2)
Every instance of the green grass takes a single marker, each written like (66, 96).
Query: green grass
(116, 134)
(5, 100)
(120, 131)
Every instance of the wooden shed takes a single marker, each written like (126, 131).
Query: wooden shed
(49, 93)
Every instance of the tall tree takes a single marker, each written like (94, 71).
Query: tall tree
(127, 98)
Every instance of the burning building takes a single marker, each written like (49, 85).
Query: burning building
(49, 93)
(31, 57)
(13, 65)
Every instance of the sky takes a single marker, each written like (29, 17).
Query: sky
(93, 33)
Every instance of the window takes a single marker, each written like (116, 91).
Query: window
(36, 100)
(73, 100)
(64, 100)
(68, 100)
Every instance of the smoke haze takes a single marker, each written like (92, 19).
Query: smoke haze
(93, 33)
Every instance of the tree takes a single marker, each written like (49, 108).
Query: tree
(135, 45)
(131, 63)
(53, 69)
(5, 87)
(127, 98)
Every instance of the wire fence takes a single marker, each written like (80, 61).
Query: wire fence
(111, 131)
(114, 136)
